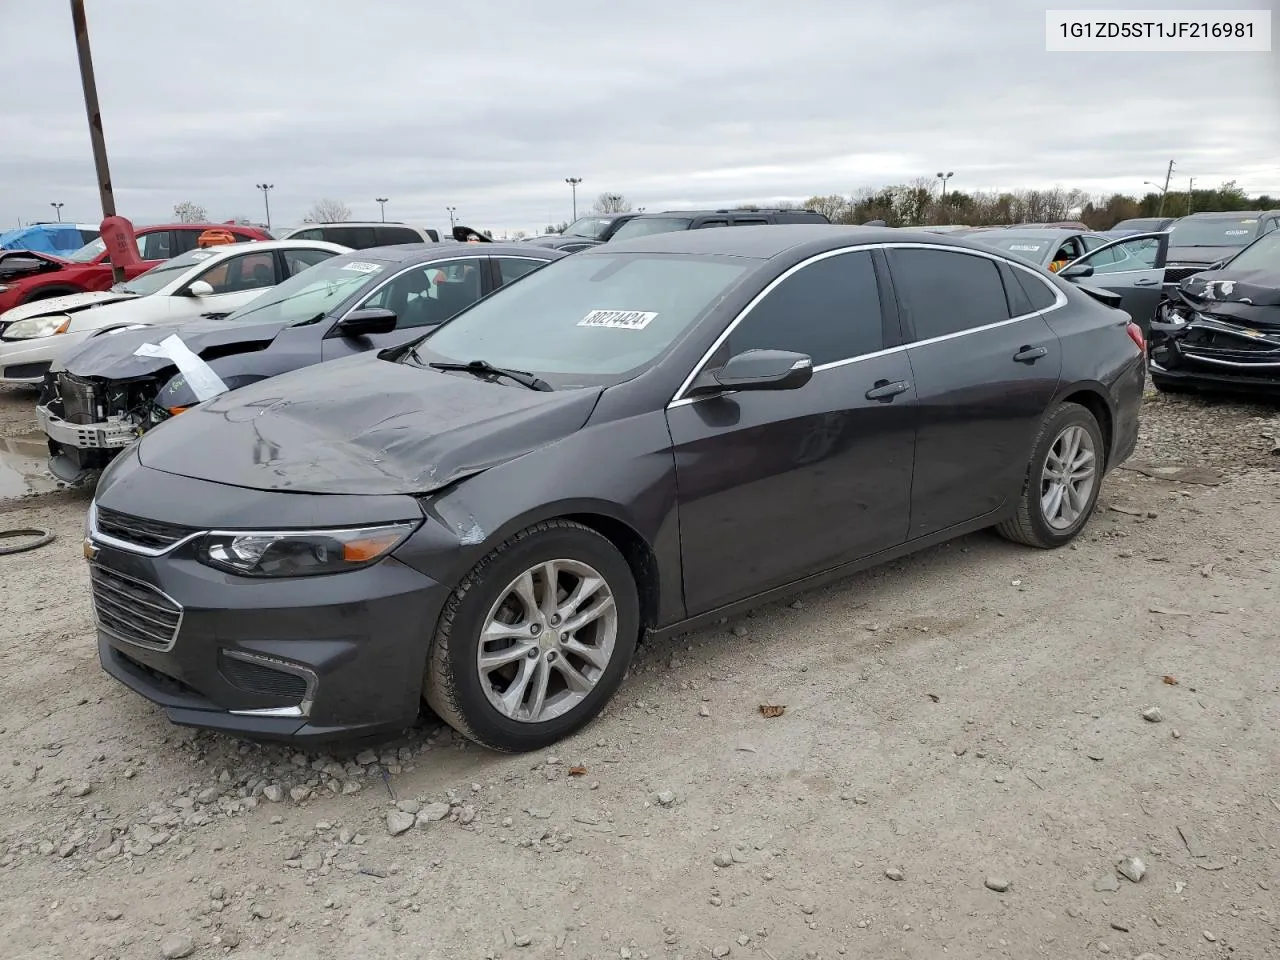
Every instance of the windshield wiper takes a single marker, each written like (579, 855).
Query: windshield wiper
(485, 368)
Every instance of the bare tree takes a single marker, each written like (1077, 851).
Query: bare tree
(328, 211)
(190, 212)
(519, 235)
(611, 203)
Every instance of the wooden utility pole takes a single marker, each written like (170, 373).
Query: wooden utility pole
(96, 137)
(1168, 174)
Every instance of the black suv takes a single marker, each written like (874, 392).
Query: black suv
(647, 224)
(584, 232)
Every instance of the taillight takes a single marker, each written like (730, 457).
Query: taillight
(1135, 334)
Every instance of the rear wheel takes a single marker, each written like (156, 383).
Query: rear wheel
(1064, 478)
(536, 638)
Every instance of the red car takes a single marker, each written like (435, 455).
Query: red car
(26, 275)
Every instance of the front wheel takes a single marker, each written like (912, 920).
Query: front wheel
(535, 639)
(1064, 478)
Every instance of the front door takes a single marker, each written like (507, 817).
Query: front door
(422, 297)
(1132, 267)
(774, 486)
(983, 378)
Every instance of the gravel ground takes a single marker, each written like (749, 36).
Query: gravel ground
(974, 743)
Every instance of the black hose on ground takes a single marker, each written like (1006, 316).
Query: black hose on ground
(42, 539)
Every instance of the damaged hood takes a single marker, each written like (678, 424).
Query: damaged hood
(362, 425)
(111, 356)
(68, 304)
(1248, 296)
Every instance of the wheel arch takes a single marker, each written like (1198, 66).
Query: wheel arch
(1094, 398)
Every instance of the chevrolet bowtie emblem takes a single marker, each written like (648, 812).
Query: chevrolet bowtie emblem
(90, 549)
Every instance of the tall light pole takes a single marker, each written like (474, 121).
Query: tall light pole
(58, 209)
(573, 185)
(96, 139)
(944, 177)
(452, 211)
(264, 187)
(382, 203)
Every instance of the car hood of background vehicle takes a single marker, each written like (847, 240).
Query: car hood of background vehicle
(1204, 255)
(1222, 293)
(112, 355)
(67, 304)
(362, 425)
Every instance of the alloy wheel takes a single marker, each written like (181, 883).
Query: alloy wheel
(1068, 477)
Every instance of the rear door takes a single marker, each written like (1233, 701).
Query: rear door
(1132, 267)
(422, 296)
(985, 371)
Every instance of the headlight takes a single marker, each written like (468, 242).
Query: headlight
(3, 287)
(37, 327)
(300, 553)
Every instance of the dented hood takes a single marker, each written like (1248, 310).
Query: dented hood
(111, 355)
(1248, 296)
(362, 425)
(68, 304)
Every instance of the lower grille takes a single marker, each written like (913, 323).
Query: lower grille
(81, 400)
(133, 611)
(253, 676)
(1180, 273)
(152, 534)
(160, 680)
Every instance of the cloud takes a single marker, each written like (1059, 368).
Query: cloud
(489, 106)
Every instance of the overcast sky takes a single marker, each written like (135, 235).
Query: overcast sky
(488, 105)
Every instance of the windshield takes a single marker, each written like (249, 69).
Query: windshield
(155, 278)
(647, 226)
(313, 292)
(1218, 232)
(1262, 254)
(1142, 224)
(593, 228)
(586, 319)
(89, 252)
(1030, 248)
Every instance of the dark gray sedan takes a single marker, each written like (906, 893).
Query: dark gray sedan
(636, 439)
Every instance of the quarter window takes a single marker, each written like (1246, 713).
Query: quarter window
(389, 236)
(828, 310)
(430, 294)
(1036, 290)
(299, 260)
(945, 292)
(512, 268)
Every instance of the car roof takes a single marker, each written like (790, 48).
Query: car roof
(1228, 214)
(359, 223)
(1039, 233)
(273, 245)
(766, 241)
(410, 252)
(713, 211)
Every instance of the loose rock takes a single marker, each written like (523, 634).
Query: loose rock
(893, 873)
(398, 822)
(408, 806)
(1132, 868)
(79, 790)
(433, 813)
(274, 793)
(666, 798)
(722, 859)
(998, 884)
(176, 946)
(1152, 715)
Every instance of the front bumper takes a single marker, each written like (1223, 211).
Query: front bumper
(108, 435)
(301, 659)
(1214, 354)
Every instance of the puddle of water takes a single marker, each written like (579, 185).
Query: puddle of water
(22, 466)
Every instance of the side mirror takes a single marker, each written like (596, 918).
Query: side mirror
(758, 370)
(200, 288)
(1076, 272)
(363, 323)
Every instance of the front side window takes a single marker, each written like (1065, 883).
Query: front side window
(298, 260)
(588, 318)
(314, 293)
(248, 271)
(157, 245)
(945, 292)
(1122, 257)
(828, 310)
(429, 294)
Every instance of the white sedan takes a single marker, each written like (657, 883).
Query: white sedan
(214, 280)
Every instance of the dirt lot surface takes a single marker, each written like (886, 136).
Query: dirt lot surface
(974, 739)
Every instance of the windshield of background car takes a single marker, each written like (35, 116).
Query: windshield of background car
(155, 278)
(648, 226)
(1142, 225)
(593, 228)
(1262, 254)
(315, 291)
(1029, 248)
(95, 248)
(587, 319)
(1224, 232)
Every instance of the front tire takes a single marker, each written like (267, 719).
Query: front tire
(535, 639)
(1063, 480)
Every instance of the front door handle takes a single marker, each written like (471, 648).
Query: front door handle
(1146, 282)
(885, 390)
(1030, 354)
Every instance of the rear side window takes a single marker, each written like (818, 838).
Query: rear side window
(392, 235)
(946, 292)
(829, 310)
(704, 224)
(357, 238)
(1036, 290)
(314, 233)
(1019, 303)
(513, 268)
(299, 260)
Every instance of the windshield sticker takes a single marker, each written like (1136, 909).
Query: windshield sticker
(1236, 233)
(360, 266)
(202, 255)
(618, 319)
(1254, 220)
(1026, 247)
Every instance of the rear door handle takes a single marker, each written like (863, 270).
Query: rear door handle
(885, 390)
(1030, 354)
(1146, 282)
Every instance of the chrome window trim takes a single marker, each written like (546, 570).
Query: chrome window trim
(400, 273)
(97, 622)
(302, 709)
(679, 398)
(97, 536)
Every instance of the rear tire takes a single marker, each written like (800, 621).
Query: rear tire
(497, 704)
(1063, 480)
